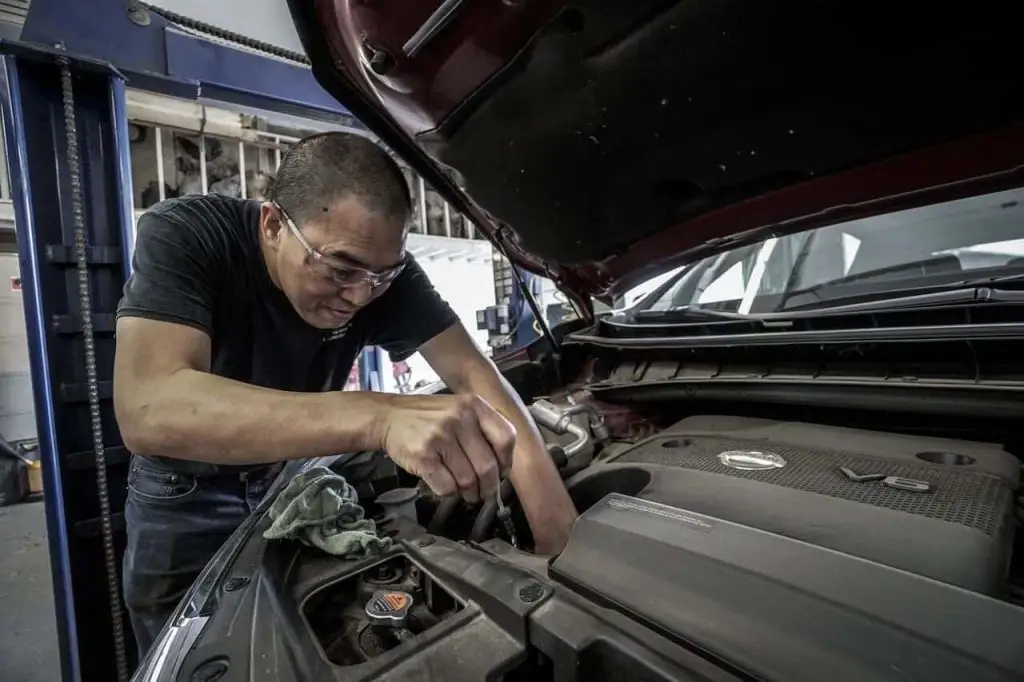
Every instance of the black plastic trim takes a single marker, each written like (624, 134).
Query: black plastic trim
(785, 609)
(999, 330)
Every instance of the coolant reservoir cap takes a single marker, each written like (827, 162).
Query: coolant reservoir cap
(389, 607)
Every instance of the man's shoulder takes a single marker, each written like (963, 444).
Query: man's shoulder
(190, 252)
(213, 210)
(213, 223)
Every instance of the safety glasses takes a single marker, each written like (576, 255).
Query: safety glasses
(339, 273)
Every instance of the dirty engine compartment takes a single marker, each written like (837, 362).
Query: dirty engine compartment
(710, 547)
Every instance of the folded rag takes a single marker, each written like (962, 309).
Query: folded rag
(319, 507)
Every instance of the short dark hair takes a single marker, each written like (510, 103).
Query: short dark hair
(322, 168)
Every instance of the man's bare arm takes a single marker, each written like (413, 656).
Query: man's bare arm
(465, 370)
(168, 404)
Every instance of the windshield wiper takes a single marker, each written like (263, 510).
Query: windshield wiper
(687, 314)
(897, 270)
(981, 290)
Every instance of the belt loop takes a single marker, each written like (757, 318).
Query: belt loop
(267, 471)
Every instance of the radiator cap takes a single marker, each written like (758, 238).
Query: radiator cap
(389, 608)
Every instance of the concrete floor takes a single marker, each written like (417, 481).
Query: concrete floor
(28, 637)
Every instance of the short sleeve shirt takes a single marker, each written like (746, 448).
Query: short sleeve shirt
(198, 262)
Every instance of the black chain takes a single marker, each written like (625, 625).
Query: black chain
(91, 373)
(223, 34)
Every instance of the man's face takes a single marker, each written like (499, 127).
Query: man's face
(334, 264)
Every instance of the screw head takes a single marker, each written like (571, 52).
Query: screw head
(379, 59)
(236, 583)
(139, 16)
(531, 592)
(210, 671)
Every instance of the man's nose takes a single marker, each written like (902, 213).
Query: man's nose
(358, 294)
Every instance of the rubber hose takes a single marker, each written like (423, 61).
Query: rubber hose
(443, 513)
(558, 456)
(485, 519)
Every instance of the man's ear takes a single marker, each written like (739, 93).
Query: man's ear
(271, 227)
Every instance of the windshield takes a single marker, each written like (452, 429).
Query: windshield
(942, 244)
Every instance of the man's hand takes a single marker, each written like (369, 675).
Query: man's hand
(544, 499)
(455, 443)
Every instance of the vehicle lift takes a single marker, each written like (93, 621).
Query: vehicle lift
(62, 94)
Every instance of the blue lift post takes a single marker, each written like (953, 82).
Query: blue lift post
(37, 149)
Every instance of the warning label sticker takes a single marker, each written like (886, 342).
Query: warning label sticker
(692, 521)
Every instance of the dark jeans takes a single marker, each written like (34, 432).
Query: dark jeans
(176, 523)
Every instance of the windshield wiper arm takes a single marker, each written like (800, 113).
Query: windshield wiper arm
(687, 314)
(981, 290)
(895, 271)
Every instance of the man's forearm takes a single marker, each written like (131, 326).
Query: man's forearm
(545, 501)
(538, 484)
(199, 416)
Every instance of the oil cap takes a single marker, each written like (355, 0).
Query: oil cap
(389, 608)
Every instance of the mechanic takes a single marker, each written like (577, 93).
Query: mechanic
(237, 332)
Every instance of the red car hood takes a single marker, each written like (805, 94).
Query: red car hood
(602, 141)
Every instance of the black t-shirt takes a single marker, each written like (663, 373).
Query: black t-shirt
(198, 262)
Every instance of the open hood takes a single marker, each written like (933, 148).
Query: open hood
(600, 142)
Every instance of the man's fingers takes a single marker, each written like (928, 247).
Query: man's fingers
(499, 432)
(462, 471)
(481, 457)
(459, 445)
(439, 479)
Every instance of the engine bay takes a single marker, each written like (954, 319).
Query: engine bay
(940, 512)
(937, 507)
(709, 547)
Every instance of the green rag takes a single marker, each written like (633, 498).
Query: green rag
(319, 508)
